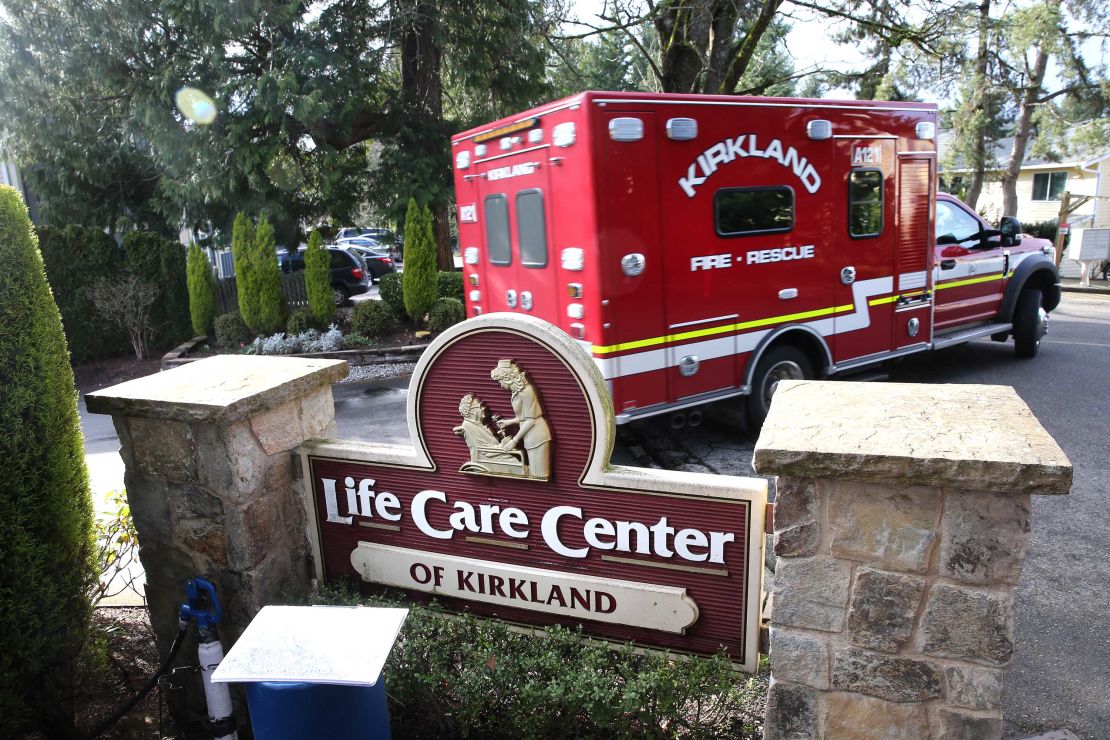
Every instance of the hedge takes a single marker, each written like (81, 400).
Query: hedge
(46, 519)
(161, 261)
(450, 285)
(76, 258)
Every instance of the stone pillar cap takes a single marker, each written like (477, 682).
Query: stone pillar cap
(222, 388)
(974, 437)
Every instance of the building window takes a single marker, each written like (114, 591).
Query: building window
(497, 230)
(740, 211)
(1049, 185)
(865, 203)
(531, 229)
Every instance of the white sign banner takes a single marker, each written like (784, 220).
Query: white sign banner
(664, 608)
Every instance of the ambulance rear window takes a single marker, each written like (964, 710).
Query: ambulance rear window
(865, 203)
(531, 229)
(740, 211)
(498, 242)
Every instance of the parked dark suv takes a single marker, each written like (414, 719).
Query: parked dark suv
(349, 275)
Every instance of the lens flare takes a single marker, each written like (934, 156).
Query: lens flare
(195, 105)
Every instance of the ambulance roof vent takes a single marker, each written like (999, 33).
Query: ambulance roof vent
(462, 159)
(819, 129)
(626, 129)
(682, 129)
(563, 134)
(925, 130)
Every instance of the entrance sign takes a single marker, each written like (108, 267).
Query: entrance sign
(507, 506)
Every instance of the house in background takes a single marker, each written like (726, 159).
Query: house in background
(1041, 183)
(9, 175)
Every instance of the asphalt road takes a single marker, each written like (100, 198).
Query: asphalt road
(1061, 672)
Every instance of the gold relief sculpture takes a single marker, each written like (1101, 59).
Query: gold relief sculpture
(526, 453)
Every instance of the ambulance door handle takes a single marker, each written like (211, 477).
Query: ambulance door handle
(947, 264)
(848, 275)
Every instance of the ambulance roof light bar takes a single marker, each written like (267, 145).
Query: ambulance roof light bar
(819, 129)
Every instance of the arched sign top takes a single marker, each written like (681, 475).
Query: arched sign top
(506, 503)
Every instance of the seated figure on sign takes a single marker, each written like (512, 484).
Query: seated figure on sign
(484, 445)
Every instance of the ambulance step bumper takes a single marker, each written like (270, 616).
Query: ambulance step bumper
(966, 335)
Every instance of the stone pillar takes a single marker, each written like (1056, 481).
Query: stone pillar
(209, 474)
(902, 518)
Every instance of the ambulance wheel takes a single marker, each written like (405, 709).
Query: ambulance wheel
(784, 362)
(1030, 323)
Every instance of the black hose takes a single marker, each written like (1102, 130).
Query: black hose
(123, 709)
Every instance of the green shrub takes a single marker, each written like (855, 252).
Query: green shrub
(202, 290)
(159, 261)
(392, 290)
(300, 321)
(1042, 229)
(242, 253)
(317, 280)
(450, 285)
(267, 280)
(462, 676)
(232, 332)
(373, 319)
(445, 313)
(75, 259)
(419, 277)
(46, 520)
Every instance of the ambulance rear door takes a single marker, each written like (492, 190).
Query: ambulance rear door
(515, 203)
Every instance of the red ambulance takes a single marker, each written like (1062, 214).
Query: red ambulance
(705, 247)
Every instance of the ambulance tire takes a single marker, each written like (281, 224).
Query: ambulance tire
(1029, 323)
(784, 362)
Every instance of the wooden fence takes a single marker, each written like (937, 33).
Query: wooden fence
(292, 286)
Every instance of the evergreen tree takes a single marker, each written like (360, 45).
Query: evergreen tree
(46, 524)
(419, 277)
(317, 280)
(242, 250)
(202, 291)
(267, 280)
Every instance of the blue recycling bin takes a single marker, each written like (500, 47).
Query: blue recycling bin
(315, 671)
(294, 711)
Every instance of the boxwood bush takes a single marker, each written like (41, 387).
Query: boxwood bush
(456, 676)
(445, 313)
(450, 285)
(373, 319)
(392, 291)
(232, 333)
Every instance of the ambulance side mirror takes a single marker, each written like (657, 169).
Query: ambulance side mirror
(1011, 231)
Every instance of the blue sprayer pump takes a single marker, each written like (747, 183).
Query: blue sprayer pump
(193, 608)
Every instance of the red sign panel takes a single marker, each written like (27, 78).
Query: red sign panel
(507, 506)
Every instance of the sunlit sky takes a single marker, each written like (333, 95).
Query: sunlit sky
(810, 46)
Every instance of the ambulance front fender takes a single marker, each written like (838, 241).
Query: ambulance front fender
(804, 337)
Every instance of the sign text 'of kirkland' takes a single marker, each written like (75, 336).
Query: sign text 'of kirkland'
(507, 506)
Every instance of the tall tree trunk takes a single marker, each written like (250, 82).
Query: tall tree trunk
(422, 91)
(977, 161)
(1029, 97)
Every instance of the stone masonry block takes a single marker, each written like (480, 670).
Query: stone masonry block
(984, 536)
(953, 724)
(163, 448)
(150, 507)
(811, 593)
(246, 459)
(858, 717)
(974, 687)
(799, 658)
(317, 412)
(885, 676)
(123, 431)
(968, 624)
(893, 528)
(882, 609)
(791, 712)
(797, 507)
(257, 530)
(279, 428)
